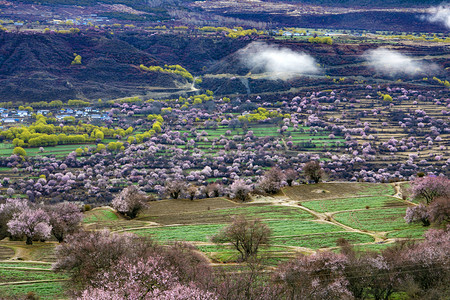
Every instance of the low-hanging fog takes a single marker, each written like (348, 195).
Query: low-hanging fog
(439, 14)
(280, 63)
(391, 62)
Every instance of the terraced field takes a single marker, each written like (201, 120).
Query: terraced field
(6, 149)
(303, 218)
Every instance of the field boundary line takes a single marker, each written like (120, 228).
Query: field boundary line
(31, 282)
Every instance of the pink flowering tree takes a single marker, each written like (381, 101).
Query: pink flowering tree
(147, 278)
(240, 190)
(86, 254)
(65, 219)
(104, 265)
(31, 223)
(430, 187)
(426, 264)
(272, 181)
(175, 188)
(130, 201)
(8, 210)
(317, 276)
(439, 210)
(418, 214)
(213, 190)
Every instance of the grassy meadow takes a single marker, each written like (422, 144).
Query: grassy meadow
(303, 219)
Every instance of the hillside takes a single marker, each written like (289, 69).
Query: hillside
(34, 67)
(303, 219)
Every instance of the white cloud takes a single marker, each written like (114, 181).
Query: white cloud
(280, 63)
(439, 14)
(391, 62)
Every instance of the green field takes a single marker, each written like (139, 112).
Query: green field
(15, 264)
(6, 149)
(353, 203)
(388, 219)
(366, 207)
(45, 290)
(10, 275)
(98, 215)
(316, 241)
(189, 233)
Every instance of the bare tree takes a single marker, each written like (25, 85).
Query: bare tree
(192, 191)
(291, 175)
(245, 235)
(313, 171)
(272, 181)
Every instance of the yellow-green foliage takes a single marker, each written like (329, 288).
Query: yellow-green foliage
(77, 103)
(166, 110)
(232, 32)
(422, 38)
(157, 127)
(100, 147)
(42, 134)
(444, 83)
(199, 99)
(115, 146)
(76, 60)
(74, 30)
(158, 118)
(44, 104)
(173, 69)
(386, 97)
(262, 114)
(341, 79)
(321, 40)
(130, 100)
(19, 151)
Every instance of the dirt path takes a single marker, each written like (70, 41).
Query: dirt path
(327, 218)
(31, 282)
(399, 195)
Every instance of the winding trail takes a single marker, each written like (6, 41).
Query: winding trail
(327, 217)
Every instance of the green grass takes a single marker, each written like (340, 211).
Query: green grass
(353, 203)
(14, 264)
(102, 214)
(11, 275)
(373, 247)
(60, 150)
(47, 290)
(376, 189)
(189, 233)
(296, 228)
(267, 212)
(413, 231)
(316, 241)
(201, 233)
(375, 219)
